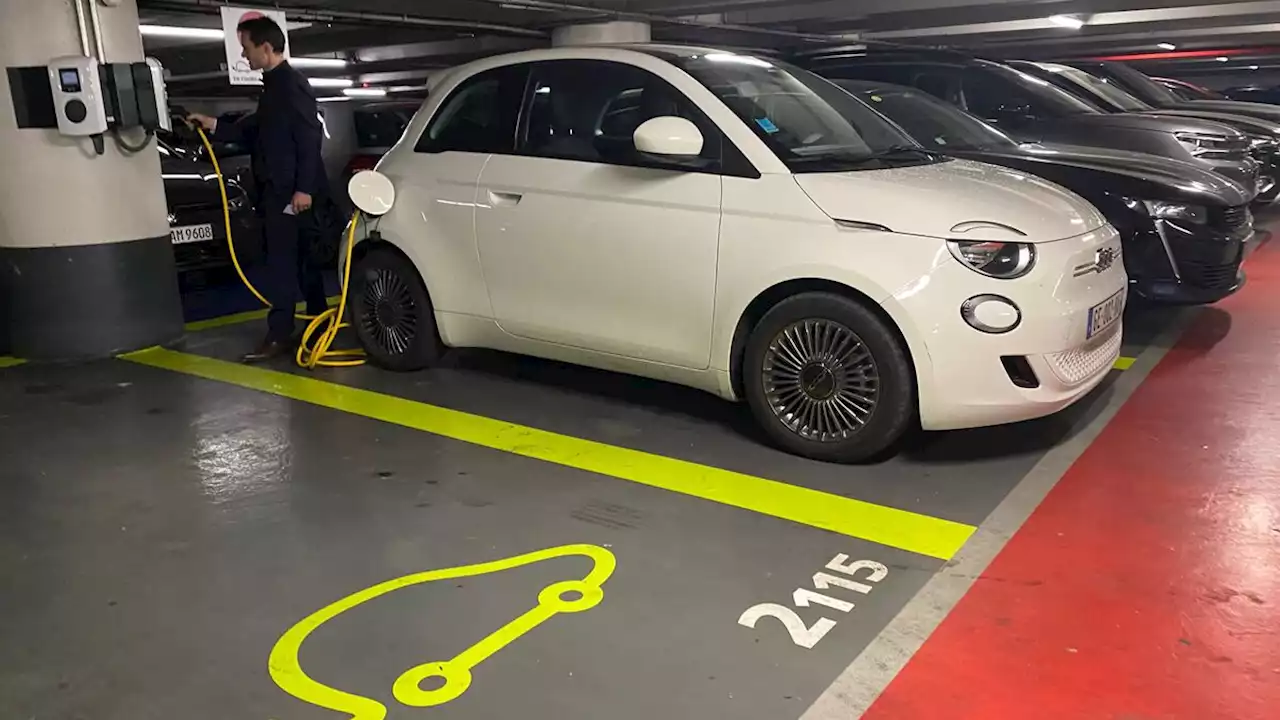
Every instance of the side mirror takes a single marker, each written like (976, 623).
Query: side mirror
(668, 138)
(372, 192)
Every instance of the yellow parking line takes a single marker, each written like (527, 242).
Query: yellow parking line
(238, 318)
(1124, 363)
(855, 518)
(6, 362)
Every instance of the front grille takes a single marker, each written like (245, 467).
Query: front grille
(1232, 218)
(1079, 364)
(1216, 276)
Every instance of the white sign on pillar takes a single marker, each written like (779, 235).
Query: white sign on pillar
(237, 66)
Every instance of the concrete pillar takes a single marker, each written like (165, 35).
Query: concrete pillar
(603, 33)
(86, 267)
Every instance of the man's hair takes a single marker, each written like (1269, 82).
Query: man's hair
(263, 30)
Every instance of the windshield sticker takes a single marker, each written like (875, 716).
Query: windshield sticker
(876, 98)
(767, 125)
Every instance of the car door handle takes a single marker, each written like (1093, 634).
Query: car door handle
(504, 199)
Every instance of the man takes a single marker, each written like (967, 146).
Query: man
(284, 136)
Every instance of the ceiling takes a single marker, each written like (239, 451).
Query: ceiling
(398, 43)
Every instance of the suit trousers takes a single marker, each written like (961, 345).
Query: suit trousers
(289, 269)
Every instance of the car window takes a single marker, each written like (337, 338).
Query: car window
(897, 74)
(937, 83)
(589, 110)
(933, 123)
(480, 115)
(1005, 96)
(381, 127)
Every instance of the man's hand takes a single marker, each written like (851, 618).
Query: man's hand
(204, 121)
(301, 202)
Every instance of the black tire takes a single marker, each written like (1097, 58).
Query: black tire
(840, 379)
(392, 313)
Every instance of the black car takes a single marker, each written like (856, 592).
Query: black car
(1264, 135)
(1184, 228)
(1032, 110)
(196, 223)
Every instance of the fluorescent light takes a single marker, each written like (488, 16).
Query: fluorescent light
(365, 92)
(330, 82)
(1253, 67)
(314, 62)
(1067, 21)
(1166, 46)
(335, 98)
(176, 31)
(1222, 58)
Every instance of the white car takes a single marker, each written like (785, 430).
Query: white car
(741, 226)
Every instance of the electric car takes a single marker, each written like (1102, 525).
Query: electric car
(1183, 228)
(1029, 109)
(738, 225)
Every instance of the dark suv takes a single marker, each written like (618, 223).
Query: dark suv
(1029, 109)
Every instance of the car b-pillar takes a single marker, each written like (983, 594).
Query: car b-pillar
(86, 265)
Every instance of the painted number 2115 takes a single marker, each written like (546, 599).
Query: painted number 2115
(806, 636)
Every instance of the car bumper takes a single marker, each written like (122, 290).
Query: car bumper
(1050, 360)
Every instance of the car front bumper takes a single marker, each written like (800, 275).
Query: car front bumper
(1186, 264)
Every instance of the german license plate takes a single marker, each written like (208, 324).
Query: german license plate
(191, 233)
(1105, 314)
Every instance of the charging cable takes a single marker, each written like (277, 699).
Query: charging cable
(315, 350)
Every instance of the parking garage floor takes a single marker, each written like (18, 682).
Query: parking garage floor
(183, 536)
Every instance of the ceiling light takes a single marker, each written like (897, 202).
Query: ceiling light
(365, 92)
(175, 31)
(314, 62)
(1222, 58)
(1066, 21)
(335, 98)
(330, 82)
(1166, 46)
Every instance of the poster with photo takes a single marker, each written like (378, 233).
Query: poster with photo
(237, 66)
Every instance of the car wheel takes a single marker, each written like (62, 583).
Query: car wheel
(827, 379)
(392, 313)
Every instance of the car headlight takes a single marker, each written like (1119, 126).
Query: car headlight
(1003, 260)
(1199, 144)
(1166, 210)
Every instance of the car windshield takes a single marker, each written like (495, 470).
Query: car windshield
(380, 127)
(1142, 86)
(1054, 100)
(933, 123)
(811, 124)
(1107, 92)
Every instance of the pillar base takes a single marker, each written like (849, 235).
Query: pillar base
(88, 301)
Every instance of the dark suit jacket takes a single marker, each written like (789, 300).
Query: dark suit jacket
(284, 136)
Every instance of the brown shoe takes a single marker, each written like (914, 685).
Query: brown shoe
(267, 351)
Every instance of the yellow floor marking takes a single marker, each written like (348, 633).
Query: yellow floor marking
(867, 521)
(6, 362)
(237, 318)
(456, 673)
(1124, 363)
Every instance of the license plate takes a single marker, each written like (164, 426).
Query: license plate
(1104, 314)
(191, 233)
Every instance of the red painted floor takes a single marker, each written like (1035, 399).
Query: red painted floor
(1147, 585)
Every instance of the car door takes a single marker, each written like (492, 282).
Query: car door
(437, 183)
(585, 243)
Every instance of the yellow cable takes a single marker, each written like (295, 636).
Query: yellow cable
(309, 356)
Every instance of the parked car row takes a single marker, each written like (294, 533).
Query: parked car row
(1177, 182)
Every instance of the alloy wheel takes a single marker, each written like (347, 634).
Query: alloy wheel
(820, 380)
(389, 316)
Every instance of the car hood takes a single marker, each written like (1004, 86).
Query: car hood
(1233, 107)
(958, 200)
(1178, 177)
(1245, 123)
(1159, 123)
